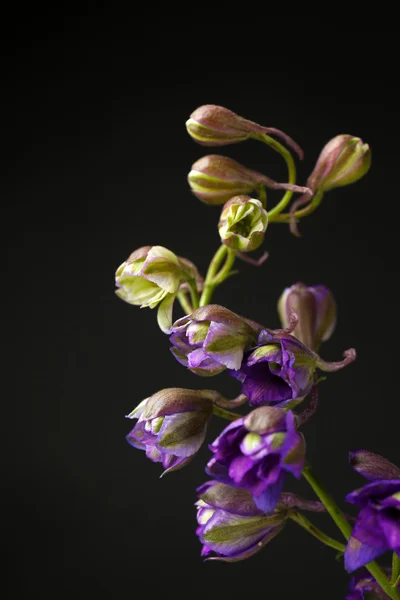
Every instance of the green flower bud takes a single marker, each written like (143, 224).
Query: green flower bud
(215, 179)
(212, 125)
(243, 223)
(151, 277)
(344, 160)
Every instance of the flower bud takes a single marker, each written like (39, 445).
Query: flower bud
(212, 339)
(231, 525)
(243, 223)
(315, 308)
(373, 466)
(171, 425)
(216, 179)
(151, 276)
(212, 125)
(344, 160)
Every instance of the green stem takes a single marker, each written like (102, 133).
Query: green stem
(262, 195)
(346, 530)
(213, 277)
(291, 173)
(304, 212)
(301, 520)
(395, 570)
(184, 302)
(225, 414)
(193, 294)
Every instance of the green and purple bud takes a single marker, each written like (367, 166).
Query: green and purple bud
(152, 276)
(243, 223)
(233, 528)
(172, 425)
(315, 308)
(344, 160)
(256, 452)
(212, 339)
(280, 370)
(211, 125)
(215, 179)
(231, 525)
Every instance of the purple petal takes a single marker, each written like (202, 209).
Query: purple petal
(375, 490)
(357, 554)
(268, 500)
(262, 387)
(368, 529)
(389, 521)
(239, 467)
(219, 472)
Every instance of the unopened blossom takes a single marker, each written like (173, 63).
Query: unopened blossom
(243, 223)
(231, 526)
(256, 452)
(151, 277)
(212, 125)
(212, 339)
(315, 308)
(215, 179)
(377, 528)
(364, 587)
(171, 425)
(344, 160)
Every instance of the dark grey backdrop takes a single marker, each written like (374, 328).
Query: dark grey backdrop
(100, 169)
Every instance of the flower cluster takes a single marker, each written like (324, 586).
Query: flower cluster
(244, 506)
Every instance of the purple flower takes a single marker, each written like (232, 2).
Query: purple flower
(377, 528)
(212, 339)
(231, 525)
(316, 310)
(279, 371)
(171, 425)
(256, 452)
(363, 586)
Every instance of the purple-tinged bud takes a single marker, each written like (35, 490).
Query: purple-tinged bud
(364, 587)
(172, 425)
(231, 525)
(211, 125)
(215, 179)
(243, 223)
(315, 308)
(372, 466)
(212, 339)
(256, 452)
(344, 160)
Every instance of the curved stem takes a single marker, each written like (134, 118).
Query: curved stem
(262, 195)
(301, 520)
(193, 294)
(304, 212)
(215, 278)
(395, 570)
(346, 530)
(225, 414)
(184, 302)
(291, 173)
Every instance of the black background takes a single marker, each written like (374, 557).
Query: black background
(95, 166)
